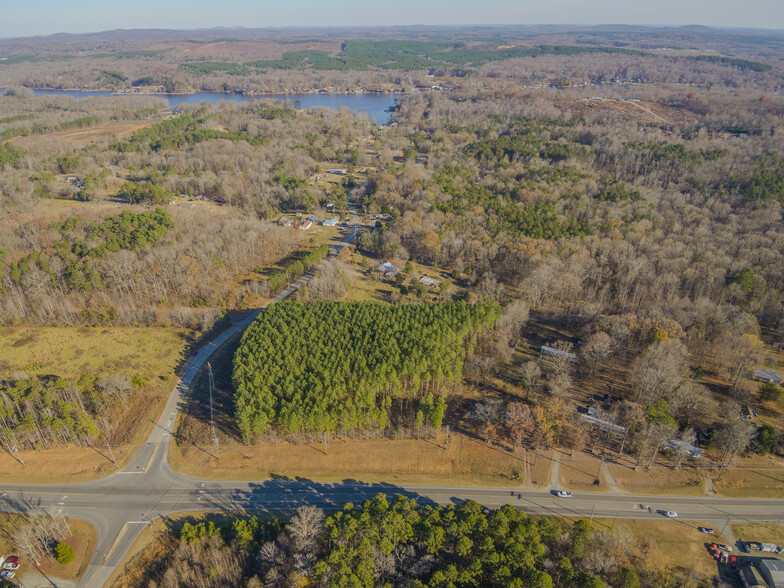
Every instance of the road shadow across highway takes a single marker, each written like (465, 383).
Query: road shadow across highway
(283, 493)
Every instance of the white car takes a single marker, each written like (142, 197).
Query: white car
(563, 494)
(10, 565)
(7, 574)
(670, 514)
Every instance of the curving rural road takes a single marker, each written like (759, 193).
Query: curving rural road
(122, 504)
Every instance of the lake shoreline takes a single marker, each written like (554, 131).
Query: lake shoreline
(376, 106)
(245, 94)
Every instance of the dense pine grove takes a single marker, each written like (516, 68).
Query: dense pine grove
(329, 367)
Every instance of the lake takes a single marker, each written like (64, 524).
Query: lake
(373, 105)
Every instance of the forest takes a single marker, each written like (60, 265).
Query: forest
(42, 412)
(629, 200)
(397, 542)
(340, 365)
(268, 61)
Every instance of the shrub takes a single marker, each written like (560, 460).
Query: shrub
(65, 554)
(769, 391)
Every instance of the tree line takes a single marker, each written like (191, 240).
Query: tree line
(393, 541)
(179, 266)
(42, 412)
(71, 263)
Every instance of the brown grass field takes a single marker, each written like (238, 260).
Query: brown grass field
(82, 541)
(753, 476)
(540, 464)
(660, 479)
(646, 112)
(112, 129)
(462, 460)
(672, 545)
(762, 532)
(152, 353)
(578, 472)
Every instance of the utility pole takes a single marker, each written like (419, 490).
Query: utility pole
(109, 447)
(614, 519)
(212, 413)
(592, 513)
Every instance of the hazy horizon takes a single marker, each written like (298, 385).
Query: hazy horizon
(48, 17)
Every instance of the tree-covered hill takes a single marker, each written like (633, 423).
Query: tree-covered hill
(330, 366)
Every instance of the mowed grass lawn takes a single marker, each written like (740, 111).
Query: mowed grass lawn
(152, 354)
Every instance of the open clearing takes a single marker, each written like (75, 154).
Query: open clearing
(72, 351)
(671, 544)
(579, 472)
(753, 476)
(644, 112)
(764, 533)
(660, 479)
(109, 130)
(461, 461)
(153, 354)
(82, 541)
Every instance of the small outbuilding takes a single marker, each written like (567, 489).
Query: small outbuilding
(553, 352)
(429, 282)
(331, 222)
(285, 222)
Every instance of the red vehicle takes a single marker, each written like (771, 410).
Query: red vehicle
(12, 559)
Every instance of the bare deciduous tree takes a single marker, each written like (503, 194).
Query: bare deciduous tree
(519, 422)
(304, 527)
(487, 416)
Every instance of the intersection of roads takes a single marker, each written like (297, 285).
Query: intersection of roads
(121, 505)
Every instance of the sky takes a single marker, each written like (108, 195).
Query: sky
(19, 18)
